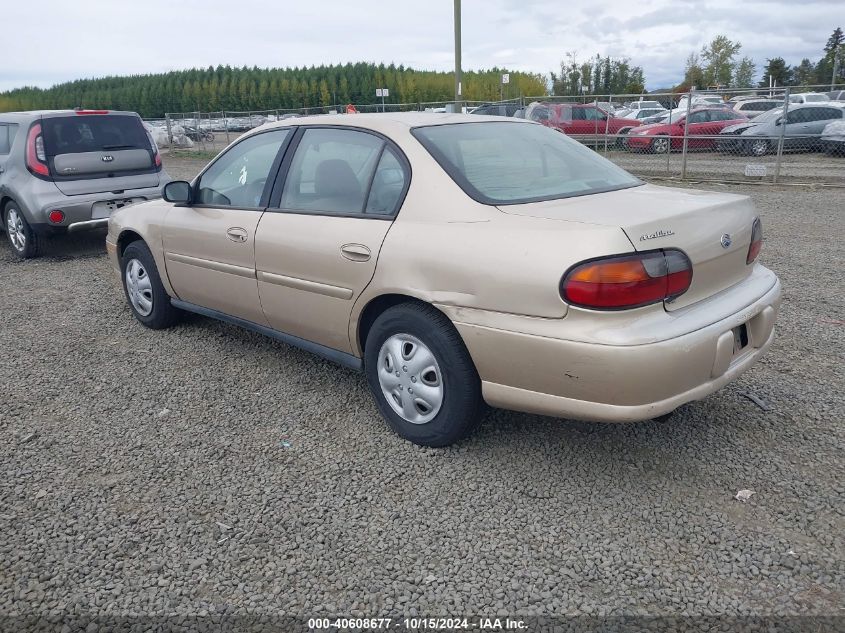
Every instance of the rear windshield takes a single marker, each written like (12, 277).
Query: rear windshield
(511, 163)
(93, 133)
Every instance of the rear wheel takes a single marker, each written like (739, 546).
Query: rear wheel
(621, 142)
(23, 240)
(660, 144)
(421, 375)
(144, 291)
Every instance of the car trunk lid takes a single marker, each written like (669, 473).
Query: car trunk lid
(652, 217)
(95, 153)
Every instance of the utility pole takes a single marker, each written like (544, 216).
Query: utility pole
(458, 90)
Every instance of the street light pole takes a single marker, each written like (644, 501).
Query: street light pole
(458, 55)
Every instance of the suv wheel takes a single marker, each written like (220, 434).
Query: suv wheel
(22, 238)
(422, 376)
(144, 291)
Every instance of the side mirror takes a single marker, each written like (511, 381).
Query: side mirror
(177, 191)
(779, 121)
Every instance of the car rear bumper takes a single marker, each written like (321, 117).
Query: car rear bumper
(79, 211)
(616, 382)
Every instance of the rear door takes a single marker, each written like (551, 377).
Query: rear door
(209, 247)
(317, 246)
(93, 152)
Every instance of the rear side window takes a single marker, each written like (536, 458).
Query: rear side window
(388, 184)
(78, 134)
(331, 171)
(7, 137)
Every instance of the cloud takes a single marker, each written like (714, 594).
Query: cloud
(63, 41)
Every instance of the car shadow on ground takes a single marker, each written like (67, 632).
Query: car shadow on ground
(82, 245)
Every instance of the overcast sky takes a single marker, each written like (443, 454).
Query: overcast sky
(52, 41)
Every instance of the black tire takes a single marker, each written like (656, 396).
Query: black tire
(462, 403)
(758, 147)
(658, 148)
(622, 142)
(162, 314)
(209, 137)
(31, 244)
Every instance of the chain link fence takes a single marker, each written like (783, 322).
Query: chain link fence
(772, 135)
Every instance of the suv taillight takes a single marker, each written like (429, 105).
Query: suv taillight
(156, 153)
(627, 281)
(756, 241)
(36, 158)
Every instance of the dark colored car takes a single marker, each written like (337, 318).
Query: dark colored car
(498, 109)
(701, 126)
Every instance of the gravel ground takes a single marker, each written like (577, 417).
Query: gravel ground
(205, 469)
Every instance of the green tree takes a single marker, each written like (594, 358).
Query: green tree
(744, 73)
(718, 58)
(778, 70)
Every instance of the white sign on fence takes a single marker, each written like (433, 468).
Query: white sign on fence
(382, 92)
(506, 78)
(755, 170)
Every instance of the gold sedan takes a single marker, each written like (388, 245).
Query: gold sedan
(459, 260)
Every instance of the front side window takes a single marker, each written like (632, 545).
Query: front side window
(238, 177)
(331, 171)
(511, 163)
(699, 117)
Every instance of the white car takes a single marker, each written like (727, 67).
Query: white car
(700, 99)
(808, 97)
(644, 113)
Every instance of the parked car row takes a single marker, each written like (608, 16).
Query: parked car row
(311, 231)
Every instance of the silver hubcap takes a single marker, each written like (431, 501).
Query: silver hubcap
(759, 147)
(410, 378)
(139, 287)
(660, 145)
(14, 227)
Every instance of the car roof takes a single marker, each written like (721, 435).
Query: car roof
(388, 122)
(28, 115)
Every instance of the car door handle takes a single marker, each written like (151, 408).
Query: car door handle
(355, 252)
(236, 234)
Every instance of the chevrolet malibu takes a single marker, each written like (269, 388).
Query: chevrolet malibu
(459, 260)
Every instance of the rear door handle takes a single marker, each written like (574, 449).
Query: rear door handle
(355, 252)
(236, 234)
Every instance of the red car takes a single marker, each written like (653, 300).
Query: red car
(703, 128)
(577, 119)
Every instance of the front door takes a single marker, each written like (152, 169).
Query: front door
(209, 247)
(317, 246)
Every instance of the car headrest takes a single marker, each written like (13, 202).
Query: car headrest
(334, 177)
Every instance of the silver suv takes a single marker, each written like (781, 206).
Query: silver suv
(68, 170)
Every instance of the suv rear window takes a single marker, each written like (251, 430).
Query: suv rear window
(512, 163)
(93, 133)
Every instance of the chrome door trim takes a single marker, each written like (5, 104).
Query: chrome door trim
(220, 267)
(337, 292)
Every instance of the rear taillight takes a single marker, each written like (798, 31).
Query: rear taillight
(36, 158)
(756, 241)
(627, 281)
(156, 153)
(57, 216)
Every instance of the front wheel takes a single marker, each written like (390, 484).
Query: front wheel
(144, 291)
(421, 375)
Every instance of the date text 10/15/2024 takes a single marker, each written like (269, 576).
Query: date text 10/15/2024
(418, 624)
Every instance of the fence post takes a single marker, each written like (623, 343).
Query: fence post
(607, 122)
(686, 138)
(226, 126)
(782, 132)
(169, 132)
